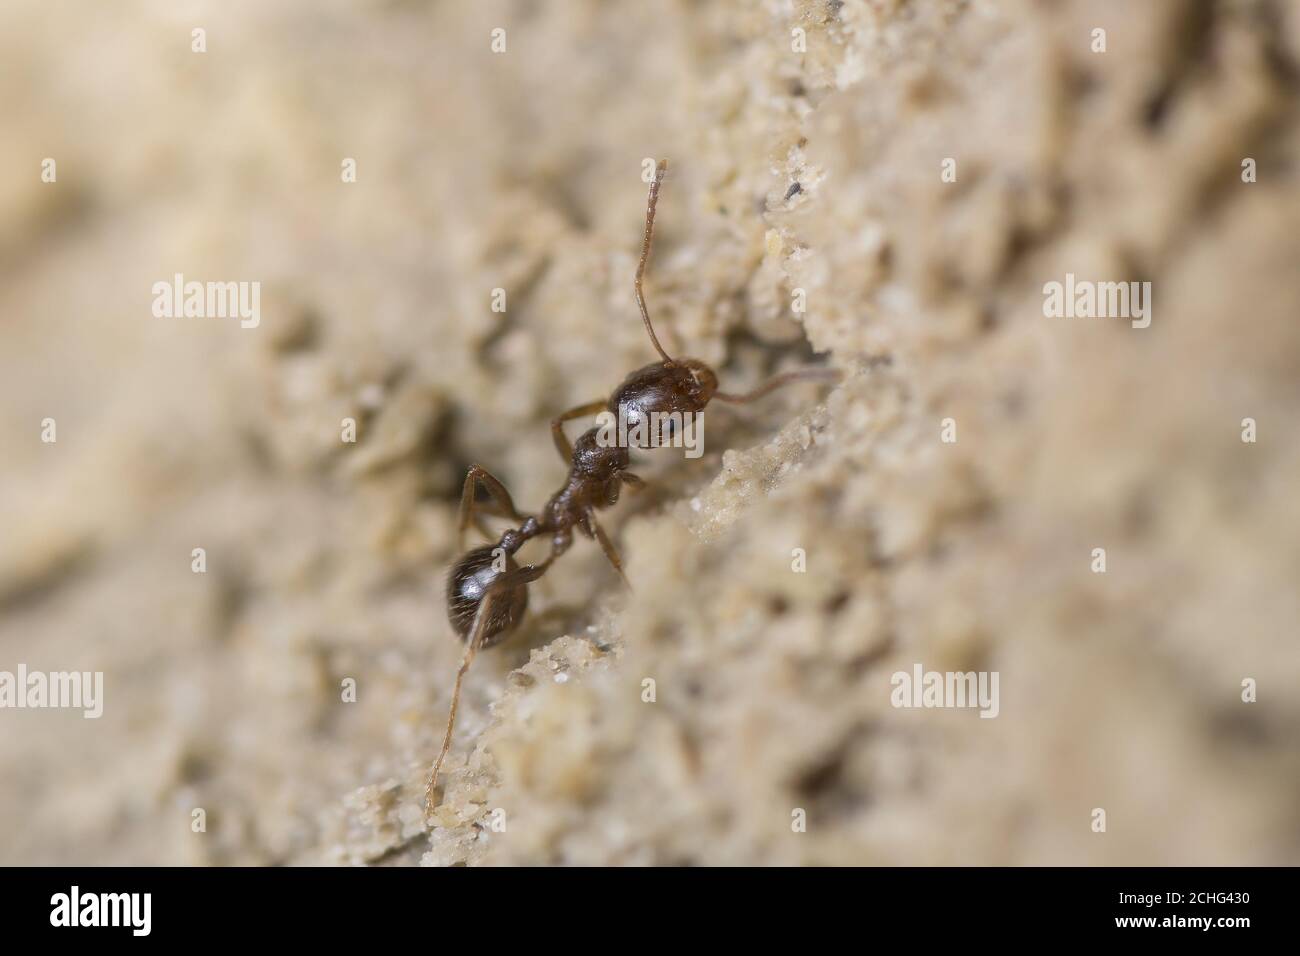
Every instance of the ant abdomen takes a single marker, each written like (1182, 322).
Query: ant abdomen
(467, 584)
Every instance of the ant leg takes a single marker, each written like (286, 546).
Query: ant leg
(608, 547)
(468, 507)
(779, 381)
(557, 427)
(525, 575)
(651, 201)
(492, 510)
(510, 579)
(471, 649)
(498, 492)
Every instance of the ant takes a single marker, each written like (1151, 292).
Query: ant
(487, 590)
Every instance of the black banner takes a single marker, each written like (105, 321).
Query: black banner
(340, 905)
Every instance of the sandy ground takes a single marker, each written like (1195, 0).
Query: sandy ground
(771, 736)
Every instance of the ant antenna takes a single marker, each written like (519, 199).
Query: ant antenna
(653, 199)
(772, 384)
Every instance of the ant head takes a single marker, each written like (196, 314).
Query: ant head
(597, 461)
(660, 390)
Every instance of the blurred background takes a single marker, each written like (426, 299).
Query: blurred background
(806, 143)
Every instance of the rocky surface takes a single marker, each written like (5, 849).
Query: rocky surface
(811, 176)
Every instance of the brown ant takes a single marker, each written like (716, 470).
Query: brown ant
(487, 590)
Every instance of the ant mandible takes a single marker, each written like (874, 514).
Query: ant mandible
(487, 590)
